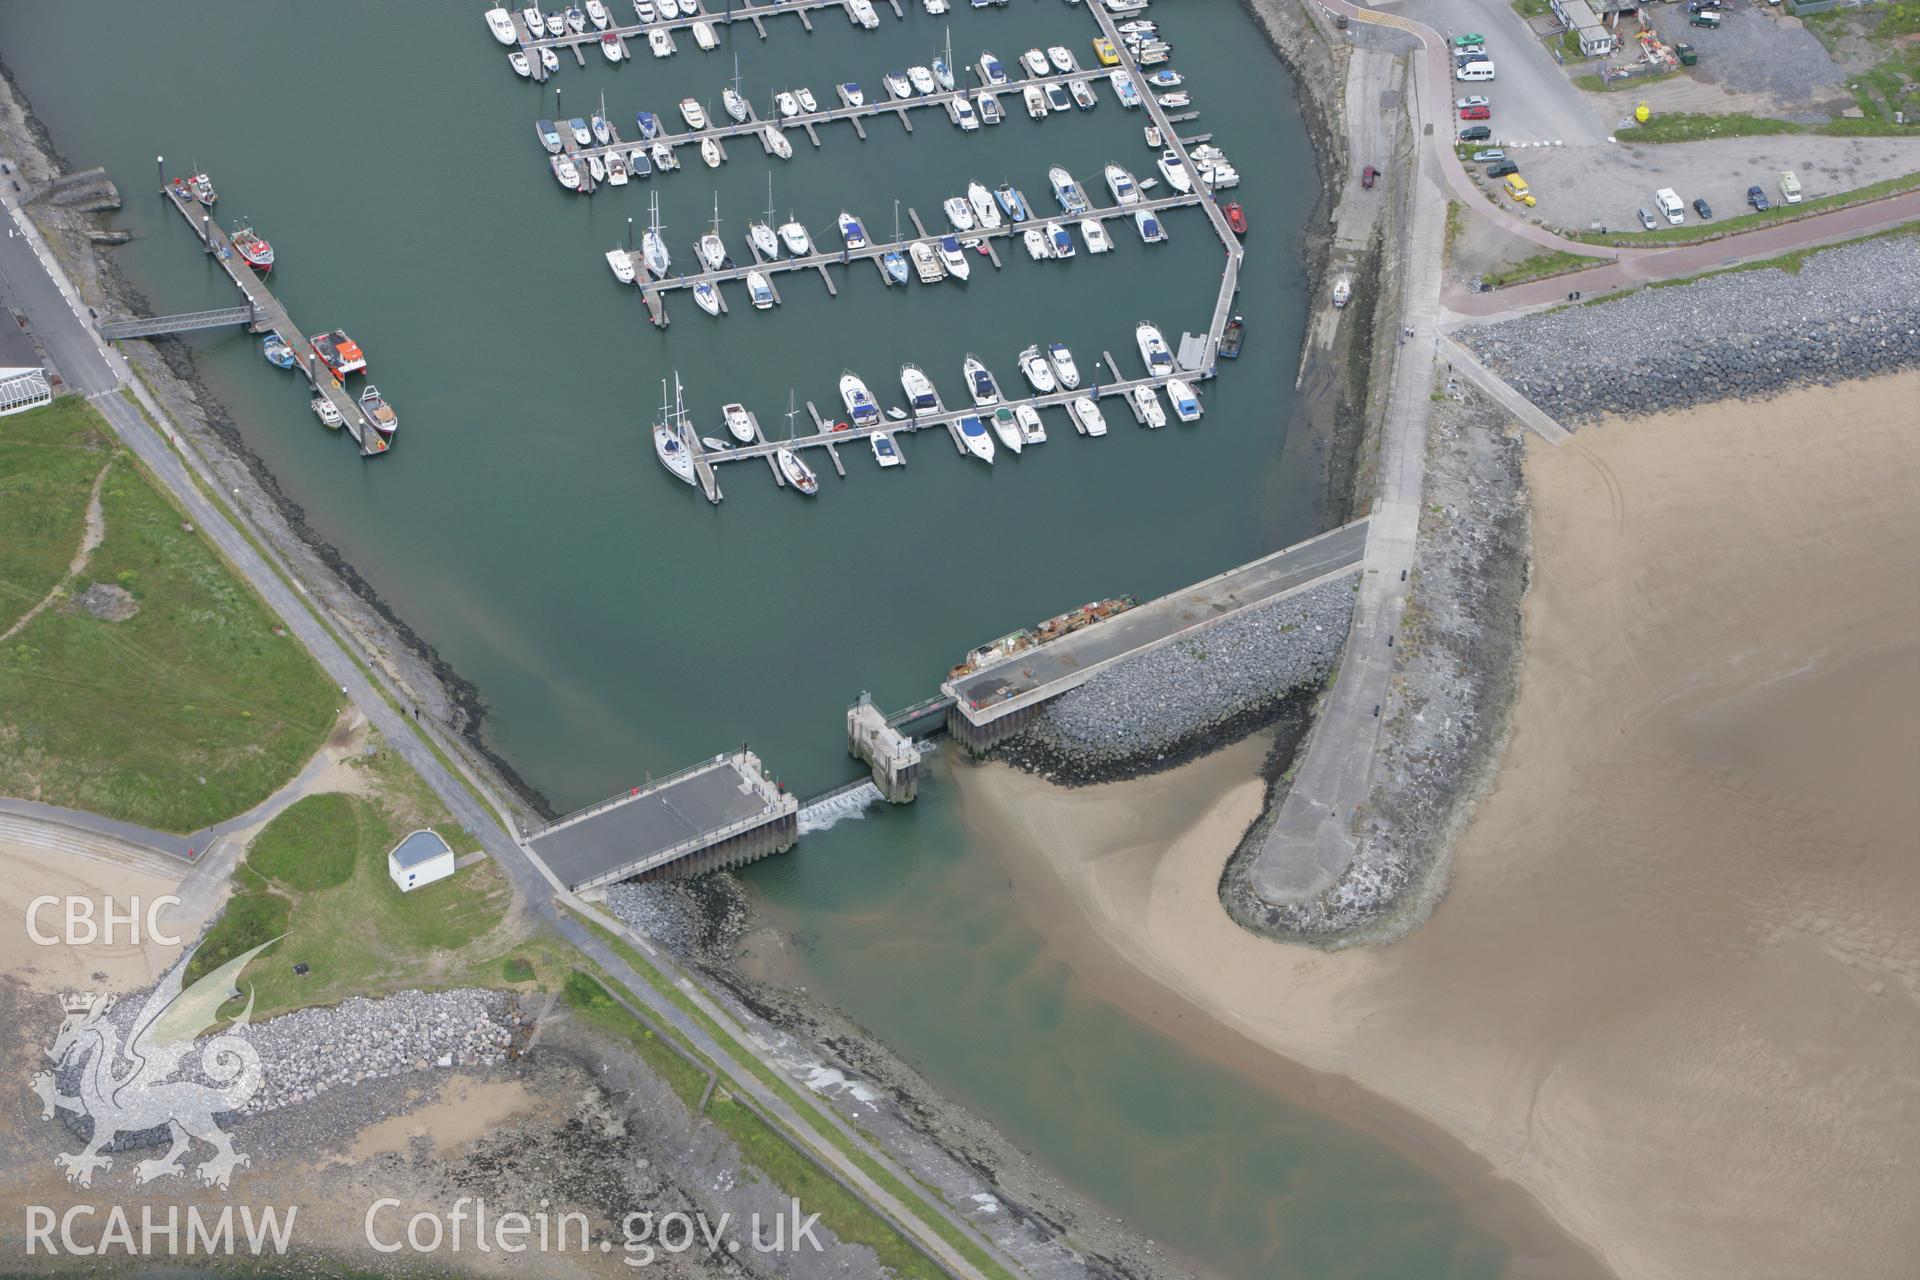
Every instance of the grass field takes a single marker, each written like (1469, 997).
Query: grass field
(190, 711)
(1549, 262)
(48, 460)
(318, 874)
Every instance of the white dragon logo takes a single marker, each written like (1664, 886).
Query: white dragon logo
(140, 1096)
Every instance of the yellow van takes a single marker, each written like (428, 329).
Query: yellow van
(1517, 188)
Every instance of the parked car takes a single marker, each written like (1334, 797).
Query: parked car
(1647, 221)
(1501, 168)
(1711, 21)
(1491, 155)
(1758, 199)
(1471, 100)
(1367, 176)
(1476, 113)
(1684, 51)
(1702, 208)
(1475, 133)
(1471, 37)
(1704, 6)
(1470, 52)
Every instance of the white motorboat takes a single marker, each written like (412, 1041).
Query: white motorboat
(660, 40)
(885, 452)
(764, 239)
(549, 134)
(926, 262)
(616, 169)
(1062, 58)
(959, 212)
(808, 103)
(535, 20)
(1152, 133)
(621, 264)
(710, 152)
(980, 382)
(1087, 414)
(707, 297)
(1153, 349)
(734, 104)
(1179, 98)
(638, 166)
(1036, 100)
(326, 411)
(953, 260)
(1035, 62)
(863, 15)
(564, 172)
(549, 61)
(1152, 230)
(991, 112)
(1082, 95)
(1148, 405)
(596, 167)
(1174, 172)
(1038, 371)
(962, 113)
(693, 113)
(1165, 78)
(851, 232)
(985, 211)
(739, 422)
(1124, 89)
(1058, 99)
(521, 67)
(934, 7)
(921, 395)
(795, 237)
(921, 78)
(1032, 430)
(500, 22)
(786, 104)
(703, 35)
(556, 24)
(1138, 27)
(1065, 372)
(862, 408)
(611, 48)
(663, 157)
(1125, 190)
(973, 434)
(854, 95)
(1186, 404)
(597, 14)
(760, 291)
(1007, 427)
(582, 132)
(776, 139)
(576, 18)
(689, 8)
(797, 473)
(1011, 202)
(643, 10)
(1038, 247)
(898, 86)
(1094, 232)
(1060, 240)
(991, 72)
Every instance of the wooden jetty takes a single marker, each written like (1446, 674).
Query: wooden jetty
(274, 316)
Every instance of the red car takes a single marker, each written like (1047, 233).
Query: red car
(1367, 175)
(1476, 113)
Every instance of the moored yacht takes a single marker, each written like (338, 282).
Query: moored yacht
(1064, 370)
(1125, 89)
(703, 35)
(1007, 427)
(851, 231)
(991, 112)
(597, 14)
(654, 249)
(672, 450)
(253, 247)
(710, 152)
(991, 72)
(378, 411)
(921, 79)
(853, 94)
(895, 263)
(1072, 199)
(660, 40)
(760, 291)
(926, 262)
(693, 113)
(980, 383)
(1174, 172)
(1153, 349)
(860, 403)
(1094, 232)
(1036, 101)
(735, 105)
(973, 434)
(795, 237)
(764, 240)
(786, 105)
(1082, 94)
(739, 422)
(797, 473)
(582, 131)
(776, 139)
(521, 67)
(898, 85)
(1152, 230)
(885, 452)
(1038, 371)
(1009, 201)
(962, 113)
(341, 354)
(1038, 247)
(985, 211)
(807, 102)
(1058, 99)
(707, 297)
(942, 74)
(648, 123)
(1087, 414)
(616, 169)
(922, 398)
(1060, 240)
(621, 263)
(1032, 430)
(277, 352)
(1120, 182)
(564, 172)
(611, 47)
(953, 260)
(1147, 404)
(549, 136)
(1186, 404)
(663, 157)
(549, 61)
(959, 212)
(1062, 59)
(500, 22)
(1035, 62)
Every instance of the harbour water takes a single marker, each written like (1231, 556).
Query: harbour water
(615, 624)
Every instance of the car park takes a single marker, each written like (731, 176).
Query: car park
(1501, 168)
(1705, 210)
(1475, 113)
(1647, 221)
(1475, 133)
(1490, 156)
(1758, 199)
(1367, 176)
(1471, 100)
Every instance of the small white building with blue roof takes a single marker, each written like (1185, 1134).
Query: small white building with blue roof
(421, 858)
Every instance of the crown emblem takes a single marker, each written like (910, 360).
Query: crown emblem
(77, 1001)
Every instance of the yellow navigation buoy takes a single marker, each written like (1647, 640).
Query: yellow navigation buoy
(1640, 113)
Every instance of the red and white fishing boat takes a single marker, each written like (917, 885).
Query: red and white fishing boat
(338, 352)
(254, 248)
(202, 188)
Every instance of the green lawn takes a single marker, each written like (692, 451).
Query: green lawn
(1549, 262)
(324, 861)
(188, 712)
(48, 460)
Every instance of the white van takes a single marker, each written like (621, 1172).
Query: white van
(1669, 203)
(1482, 70)
(1789, 187)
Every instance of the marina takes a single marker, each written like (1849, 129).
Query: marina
(627, 36)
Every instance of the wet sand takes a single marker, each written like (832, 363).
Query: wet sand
(1672, 992)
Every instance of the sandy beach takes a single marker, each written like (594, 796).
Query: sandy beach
(1671, 995)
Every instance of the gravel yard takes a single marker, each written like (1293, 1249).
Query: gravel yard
(1849, 312)
(1757, 51)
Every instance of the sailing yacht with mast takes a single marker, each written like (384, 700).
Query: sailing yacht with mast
(670, 433)
(762, 233)
(711, 248)
(792, 466)
(653, 246)
(736, 106)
